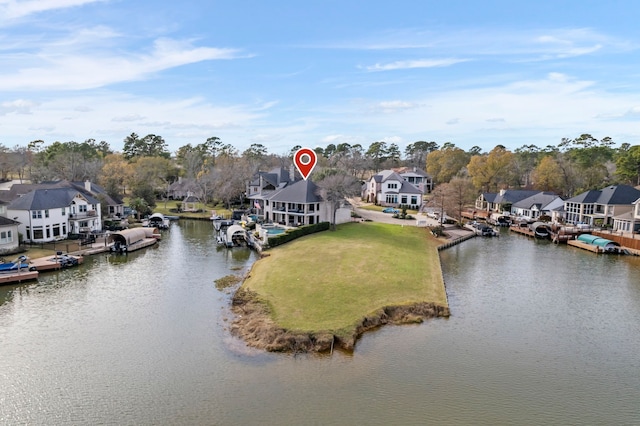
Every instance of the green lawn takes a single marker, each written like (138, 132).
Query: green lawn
(331, 280)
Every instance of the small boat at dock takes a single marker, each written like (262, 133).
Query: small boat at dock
(129, 240)
(58, 261)
(482, 229)
(18, 264)
(157, 220)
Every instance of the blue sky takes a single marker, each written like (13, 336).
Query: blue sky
(310, 73)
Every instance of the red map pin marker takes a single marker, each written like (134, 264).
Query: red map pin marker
(305, 160)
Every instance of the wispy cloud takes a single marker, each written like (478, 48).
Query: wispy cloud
(64, 69)
(13, 9)
(18, 106)
(419, 63)
(388, 107)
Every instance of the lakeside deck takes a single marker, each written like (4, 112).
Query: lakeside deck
(18, 277)
(55, 262)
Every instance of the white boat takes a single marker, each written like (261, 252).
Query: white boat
(157, 220)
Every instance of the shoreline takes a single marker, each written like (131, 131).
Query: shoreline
(255, 326)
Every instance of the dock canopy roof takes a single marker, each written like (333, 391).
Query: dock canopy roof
(598, 241)
(130, 236)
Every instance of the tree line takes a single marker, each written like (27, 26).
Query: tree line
(146, 168)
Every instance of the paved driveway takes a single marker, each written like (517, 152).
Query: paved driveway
(452, 231)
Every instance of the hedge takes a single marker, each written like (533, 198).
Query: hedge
(292, 234)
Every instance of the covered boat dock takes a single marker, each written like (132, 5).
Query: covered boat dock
(596, 244)
(132, 239)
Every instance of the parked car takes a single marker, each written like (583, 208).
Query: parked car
(390, 210)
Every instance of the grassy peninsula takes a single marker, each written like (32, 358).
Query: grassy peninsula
(335, 285)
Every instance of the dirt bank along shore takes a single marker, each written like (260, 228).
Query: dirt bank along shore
(254, 324)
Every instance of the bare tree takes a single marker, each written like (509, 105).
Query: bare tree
(334, 188)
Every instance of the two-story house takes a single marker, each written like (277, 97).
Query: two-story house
(282, 196)
(113, 206)
(600, 207)
(264, 183)
(52, 214)
(501, 202)
(389, 188)
(542, 203)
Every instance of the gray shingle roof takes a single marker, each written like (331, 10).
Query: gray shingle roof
(540, 199)
(407, 188)
(44, 199)
(303, 191)
(611, 195)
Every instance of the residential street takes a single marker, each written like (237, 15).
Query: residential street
(452, 231)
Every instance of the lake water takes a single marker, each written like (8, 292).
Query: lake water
(539, 334)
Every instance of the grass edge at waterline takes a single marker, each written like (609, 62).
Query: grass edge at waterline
(333, 286)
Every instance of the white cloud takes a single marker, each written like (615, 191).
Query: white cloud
(13, 9)
(420, 63)
(18, 106)
(85, 69)
(388, 107)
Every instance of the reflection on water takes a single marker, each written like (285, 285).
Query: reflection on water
(539, 334)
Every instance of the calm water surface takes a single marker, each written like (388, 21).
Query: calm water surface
(539, 334)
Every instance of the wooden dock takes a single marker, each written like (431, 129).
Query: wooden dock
(522, 230)
(585, 246)
(18, 277)
(55, 262)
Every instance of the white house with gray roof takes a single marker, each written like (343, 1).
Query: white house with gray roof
(391, 189)
(299, 204)
(600, 207)
(542, 203)
(54, 213)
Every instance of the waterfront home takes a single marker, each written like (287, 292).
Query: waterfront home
(628, 221)
(392, 189)
(183, 188)
(600, 207)
(9, 241)
(52, 214)
(299, 203)
(263, 184)
(501, 202)
(282, 196)
(114, 205)
(542, 203)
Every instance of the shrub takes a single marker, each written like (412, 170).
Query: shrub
(292, 234)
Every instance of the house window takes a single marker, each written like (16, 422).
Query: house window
(37, 233)
(64, 229)
(392, 185)
(6, 237)
(414, 199)
(56, 230)
(392, 198)
(64, 211)
(82, 208)
(46, 213)
(36, 214)
(403, 199)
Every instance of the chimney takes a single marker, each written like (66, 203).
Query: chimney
(292, 173)
(87, 185)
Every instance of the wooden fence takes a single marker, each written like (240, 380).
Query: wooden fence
(625, 240)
